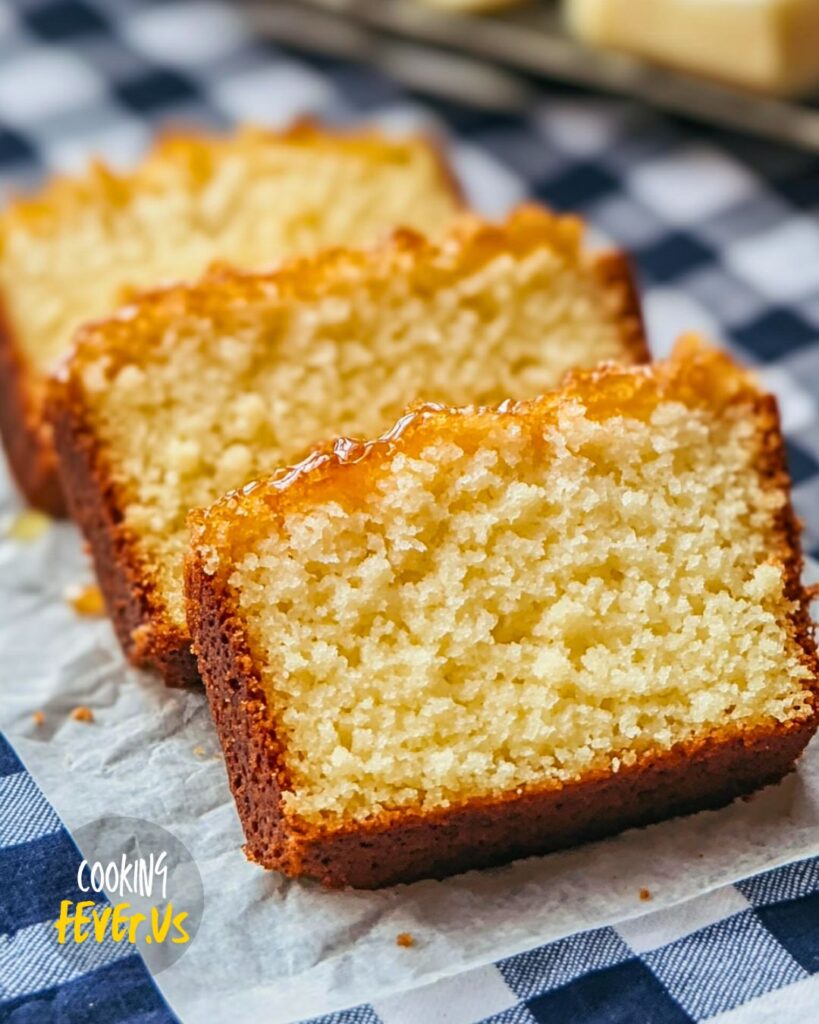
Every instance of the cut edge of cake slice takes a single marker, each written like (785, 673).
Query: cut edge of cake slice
(98, 495)
(68, 204)
(289, 528)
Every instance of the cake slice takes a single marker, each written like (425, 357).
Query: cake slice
(67, 255)
(492, 633)
(196, 390)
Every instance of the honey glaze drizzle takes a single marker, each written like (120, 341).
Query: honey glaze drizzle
(348, 450)
(694, 370)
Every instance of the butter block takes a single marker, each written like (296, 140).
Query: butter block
(768, 45)
(472, 6)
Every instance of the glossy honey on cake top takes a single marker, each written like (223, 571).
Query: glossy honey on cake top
(697, 375)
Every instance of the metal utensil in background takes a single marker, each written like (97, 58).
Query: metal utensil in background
(472, 59)
(427, 70)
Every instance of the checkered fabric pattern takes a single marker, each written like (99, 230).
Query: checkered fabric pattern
(743, 954)
(41, 982)
(747, 952)
(725, 233)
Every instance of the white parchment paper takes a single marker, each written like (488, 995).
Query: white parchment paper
(272, 950)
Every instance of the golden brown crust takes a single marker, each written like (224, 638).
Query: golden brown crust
(616, 274)
(407, 846)
(24, 429)
(92, 497)
(470, 242)
(404, 845)
(146, 635)
(26, 437)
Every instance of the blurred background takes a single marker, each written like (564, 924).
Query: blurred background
(684, 136)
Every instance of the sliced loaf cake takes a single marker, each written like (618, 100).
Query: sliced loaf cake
(196, 390)
(69, 254)
(493, 633)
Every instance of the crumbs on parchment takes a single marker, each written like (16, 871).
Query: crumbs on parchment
(405, 939)
(82, 714)
(38, 718)
(86, 600)
(28, 526)
(645, 894)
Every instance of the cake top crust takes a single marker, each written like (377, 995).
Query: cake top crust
(196, 389)
(224, 294)
(194, 158)
(696, 375)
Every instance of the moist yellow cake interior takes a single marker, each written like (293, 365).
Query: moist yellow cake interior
(560, 598)
(249, 200)
(235, 380)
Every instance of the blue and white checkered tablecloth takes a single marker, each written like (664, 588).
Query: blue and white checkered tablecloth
(725, 232)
